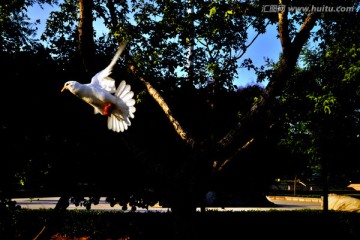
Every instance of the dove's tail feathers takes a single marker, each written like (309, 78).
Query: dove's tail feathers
(124, 92)
(122, 122)
(131, 111)
(117, 125)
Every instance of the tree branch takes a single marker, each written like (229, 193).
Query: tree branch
(284, 27)
(252, 41)
(113, 19)
(235, 155)
(160, 100)
(304, 32)
(256, 117)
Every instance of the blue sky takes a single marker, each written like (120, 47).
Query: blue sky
(265, 46)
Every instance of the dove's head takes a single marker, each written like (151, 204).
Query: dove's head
(72, 86)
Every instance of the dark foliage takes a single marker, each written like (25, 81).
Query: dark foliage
(304, 224)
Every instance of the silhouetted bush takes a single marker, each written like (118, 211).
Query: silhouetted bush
(94, 224)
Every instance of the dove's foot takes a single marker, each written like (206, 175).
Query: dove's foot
(107, 109)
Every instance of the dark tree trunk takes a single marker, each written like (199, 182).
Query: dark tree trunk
(55, 219)
(86, 32)
(86, 48)
(184, 210)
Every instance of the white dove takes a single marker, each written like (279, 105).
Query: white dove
(117, 104)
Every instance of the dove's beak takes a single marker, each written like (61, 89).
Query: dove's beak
(63, 89)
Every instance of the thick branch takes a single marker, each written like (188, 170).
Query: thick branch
(284, 28)
(235, 155)
(304, 32)
(258, 111)
(160, 100)
(113, 19)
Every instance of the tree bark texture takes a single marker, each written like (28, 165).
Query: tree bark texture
(85, 30)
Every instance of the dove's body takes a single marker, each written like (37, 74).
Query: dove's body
(117, 104)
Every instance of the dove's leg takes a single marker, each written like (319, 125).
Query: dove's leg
(107, 109)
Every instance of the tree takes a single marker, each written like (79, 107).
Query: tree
(16, 31)
(21, 53)
(327, 108)
(217, 52)
(86, 40)
(194, 153)
(321, 104)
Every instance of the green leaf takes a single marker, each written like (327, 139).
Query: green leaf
(212, 11)
(229, 12)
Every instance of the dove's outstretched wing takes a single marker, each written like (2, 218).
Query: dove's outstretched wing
(102, 79)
